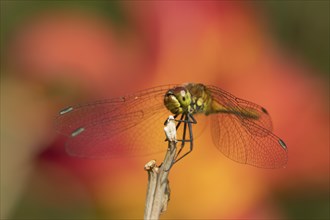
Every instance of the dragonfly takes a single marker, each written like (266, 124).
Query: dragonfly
(132, 125)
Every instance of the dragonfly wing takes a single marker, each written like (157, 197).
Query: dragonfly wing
(116, 127)
(247, 140)
(244, 110)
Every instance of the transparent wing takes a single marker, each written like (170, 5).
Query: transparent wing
(245, 139)
(127, 126)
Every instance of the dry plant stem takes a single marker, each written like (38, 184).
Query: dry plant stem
(158, 192)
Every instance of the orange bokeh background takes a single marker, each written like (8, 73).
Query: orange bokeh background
(62, 54)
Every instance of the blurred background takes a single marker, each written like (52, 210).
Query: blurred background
(53, 54)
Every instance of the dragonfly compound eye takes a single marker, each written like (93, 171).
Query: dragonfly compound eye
(172, 103)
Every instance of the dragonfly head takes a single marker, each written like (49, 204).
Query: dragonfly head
(177, 100)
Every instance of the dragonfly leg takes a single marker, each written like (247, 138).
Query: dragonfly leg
(181, 120)
(193, 120)
(178, 125)
(189, 120)
(183, 135)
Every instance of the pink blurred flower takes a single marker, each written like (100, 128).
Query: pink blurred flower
(81, 48)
